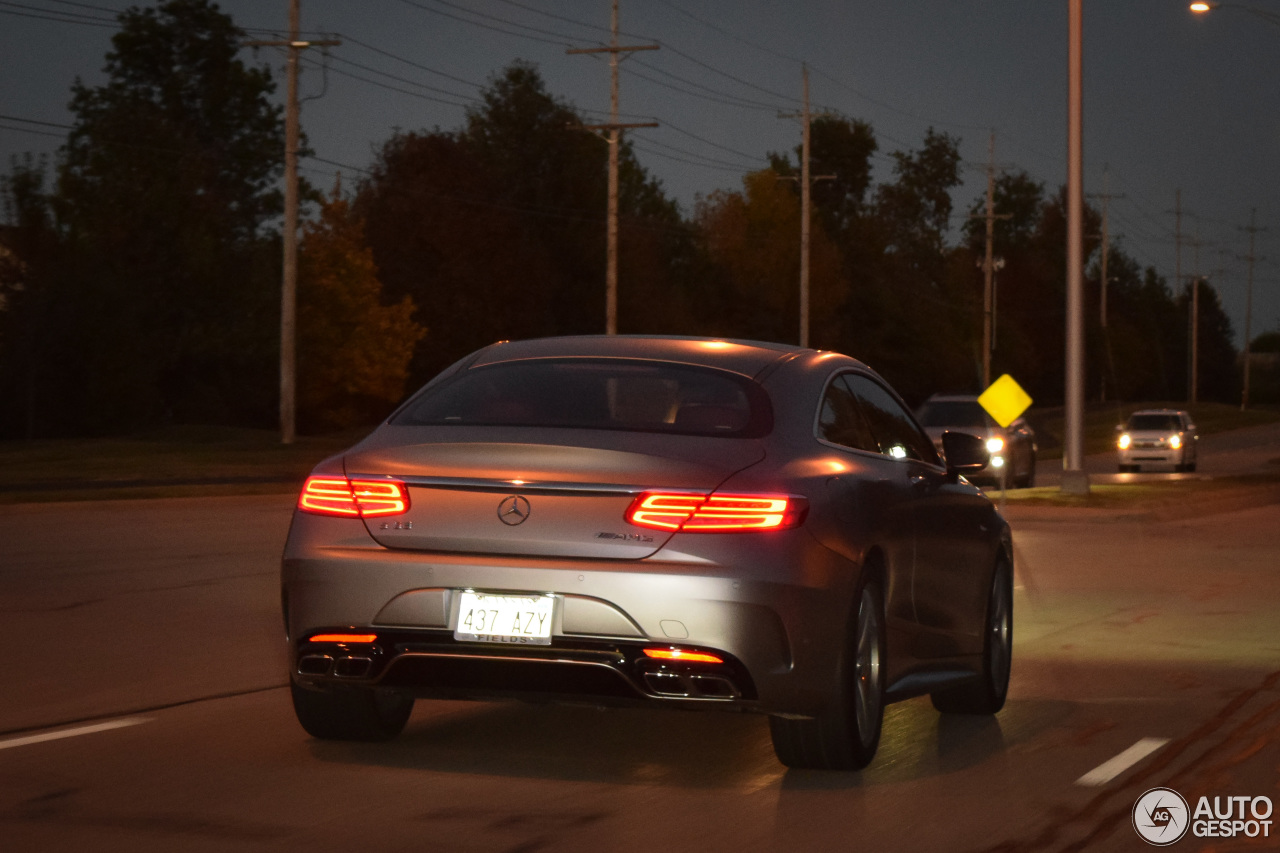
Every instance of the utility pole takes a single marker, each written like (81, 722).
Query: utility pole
(1195, 324)
(1253, 229)
(1177, 267)
(804, 217)
(989, 266)
(1177, 240)
(1106, 195)
(806, 185)
(614, 128)
(988, 272)
(289, 283)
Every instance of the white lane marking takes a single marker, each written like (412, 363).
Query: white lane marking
(1108, 770)
(76, 732)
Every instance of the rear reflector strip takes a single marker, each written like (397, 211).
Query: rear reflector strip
(343, 638)
(716, 513)
(353, 498)
(682, 656)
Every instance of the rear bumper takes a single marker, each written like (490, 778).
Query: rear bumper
(1155, 456)
(778, 620)
(431, 664)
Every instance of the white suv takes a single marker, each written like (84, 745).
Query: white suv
(1158, 437)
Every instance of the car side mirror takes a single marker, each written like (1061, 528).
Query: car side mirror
(964, 453)
(1119, 427)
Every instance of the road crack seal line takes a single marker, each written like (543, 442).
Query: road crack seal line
(1107, 823)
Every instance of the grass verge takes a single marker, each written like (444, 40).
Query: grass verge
(1100, 420)
(1164, 499)
(172, 462)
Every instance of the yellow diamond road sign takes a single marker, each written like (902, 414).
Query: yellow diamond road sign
(1005, 400)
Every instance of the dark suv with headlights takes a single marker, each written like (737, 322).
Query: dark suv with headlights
(1012, 448)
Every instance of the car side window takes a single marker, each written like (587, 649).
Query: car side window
(896, 434)
(841, 420)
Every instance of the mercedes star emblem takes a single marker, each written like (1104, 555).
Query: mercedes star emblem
(513, 510)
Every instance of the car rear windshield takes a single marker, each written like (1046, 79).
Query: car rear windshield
(955, 413)
(1159, 423)
(615, 394)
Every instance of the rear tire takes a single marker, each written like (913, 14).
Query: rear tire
(986, 693)
(845, 735)
(351, 713)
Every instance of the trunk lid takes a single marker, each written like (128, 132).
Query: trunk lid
(537, 492)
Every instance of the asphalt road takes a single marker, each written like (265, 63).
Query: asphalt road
(144, 709)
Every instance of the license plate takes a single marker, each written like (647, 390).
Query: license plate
(489, 618)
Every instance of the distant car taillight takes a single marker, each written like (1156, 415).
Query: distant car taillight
(716, 513)
(353, 498)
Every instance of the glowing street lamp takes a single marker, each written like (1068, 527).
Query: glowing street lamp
(1200, 8)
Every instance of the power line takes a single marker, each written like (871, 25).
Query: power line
(34, 121)
(574, 21)
(33, 131)
(705, 141)
(724, 97)
(420, 95)
(707, 162)
(785, 98)
(725, 32)
(398, 78)
(52, 15)
(565, 39)
(96, 8)
(410, 62)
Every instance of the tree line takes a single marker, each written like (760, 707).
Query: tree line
(139, 277)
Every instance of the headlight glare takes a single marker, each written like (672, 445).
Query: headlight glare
(1124, 441)
(995, 444)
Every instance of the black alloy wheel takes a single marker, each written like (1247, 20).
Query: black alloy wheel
(351, 713)
(986, 693)
(846, 734)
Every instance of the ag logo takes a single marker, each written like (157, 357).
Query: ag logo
(1161, 816)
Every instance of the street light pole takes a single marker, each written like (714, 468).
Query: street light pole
(1074, 478)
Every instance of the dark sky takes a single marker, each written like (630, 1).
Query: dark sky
(1172, 101)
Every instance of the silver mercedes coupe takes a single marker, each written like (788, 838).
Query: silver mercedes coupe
(668, 522)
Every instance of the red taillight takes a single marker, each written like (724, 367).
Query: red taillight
(380, 497)
(683, 656)
(665, 512)
(716, 513)
(343, 638)
(353, 498)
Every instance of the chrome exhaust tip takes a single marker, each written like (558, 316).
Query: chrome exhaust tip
(352, 666)
(315, 665)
